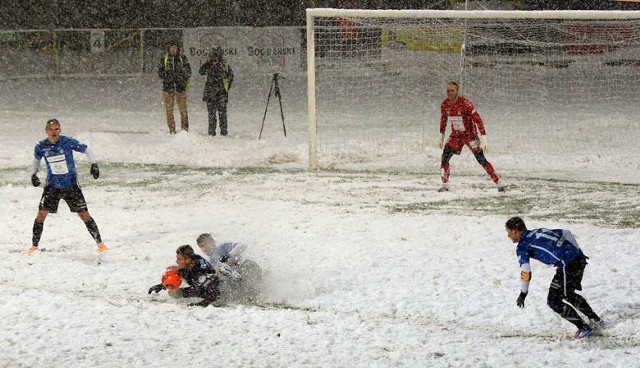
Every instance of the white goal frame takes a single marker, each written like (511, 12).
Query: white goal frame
(311, 14)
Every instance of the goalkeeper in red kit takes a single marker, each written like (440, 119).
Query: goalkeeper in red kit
(465, 125)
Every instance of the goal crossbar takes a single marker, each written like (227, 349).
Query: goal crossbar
(476, 14)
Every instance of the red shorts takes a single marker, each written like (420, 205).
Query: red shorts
(458, 141)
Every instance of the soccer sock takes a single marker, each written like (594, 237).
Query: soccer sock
(37, 233)
(93, 230)
(444, 174)
(492, 173)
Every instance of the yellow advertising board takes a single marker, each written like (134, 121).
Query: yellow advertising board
(447, 39)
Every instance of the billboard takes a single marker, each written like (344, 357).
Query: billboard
(248, 50)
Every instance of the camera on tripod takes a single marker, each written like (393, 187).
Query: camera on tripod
(274, 90)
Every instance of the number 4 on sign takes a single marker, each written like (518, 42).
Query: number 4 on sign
(97, 41)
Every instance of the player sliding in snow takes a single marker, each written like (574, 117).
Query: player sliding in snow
(225, 258)
(560, 249)
(241, 280)
(198, 273)
(465, 124)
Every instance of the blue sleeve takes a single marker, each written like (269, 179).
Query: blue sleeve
(75, 145)
(522, 253)
(37, 152)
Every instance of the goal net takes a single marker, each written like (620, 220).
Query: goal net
(555, 88)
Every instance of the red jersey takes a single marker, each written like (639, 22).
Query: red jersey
(347, 30)
(465, 120)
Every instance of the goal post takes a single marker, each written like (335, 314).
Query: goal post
(376, 78)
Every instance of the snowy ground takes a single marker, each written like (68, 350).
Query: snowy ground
(365, 269)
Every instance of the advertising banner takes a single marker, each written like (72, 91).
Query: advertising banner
(249, 50)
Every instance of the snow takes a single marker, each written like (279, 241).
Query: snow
(365, 268)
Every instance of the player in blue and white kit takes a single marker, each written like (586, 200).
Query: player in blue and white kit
(62, 181)
(556, 248)
(225, 258)
(241, 279)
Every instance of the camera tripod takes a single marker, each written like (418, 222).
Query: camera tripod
(275, 89)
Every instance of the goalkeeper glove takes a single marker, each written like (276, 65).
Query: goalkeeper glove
(441, 141)
(521, 298)
(95, 171)
(35, 181)
(484, 143)
(156, 288)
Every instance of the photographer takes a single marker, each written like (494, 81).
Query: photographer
(218, 80)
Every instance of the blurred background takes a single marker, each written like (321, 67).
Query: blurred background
(378, 83)
(39, 14)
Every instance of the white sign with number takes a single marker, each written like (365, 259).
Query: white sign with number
(97, 41)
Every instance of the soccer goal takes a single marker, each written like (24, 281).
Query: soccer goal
(550, 85)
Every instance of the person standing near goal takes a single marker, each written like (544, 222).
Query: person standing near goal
(62, 181)
(465, 123)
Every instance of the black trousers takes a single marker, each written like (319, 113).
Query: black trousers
(220, 108)
(563, 298)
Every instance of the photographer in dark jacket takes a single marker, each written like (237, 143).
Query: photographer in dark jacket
(175, 71)
(218, 80)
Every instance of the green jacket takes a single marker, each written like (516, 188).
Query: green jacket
(218, 81)
(175, 72)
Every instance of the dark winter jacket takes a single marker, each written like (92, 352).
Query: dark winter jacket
(175, 72)
(218, 80)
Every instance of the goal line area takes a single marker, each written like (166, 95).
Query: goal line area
(556, 89)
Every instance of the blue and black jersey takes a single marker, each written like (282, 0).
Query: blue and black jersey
(61, 167)
(555, 247)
